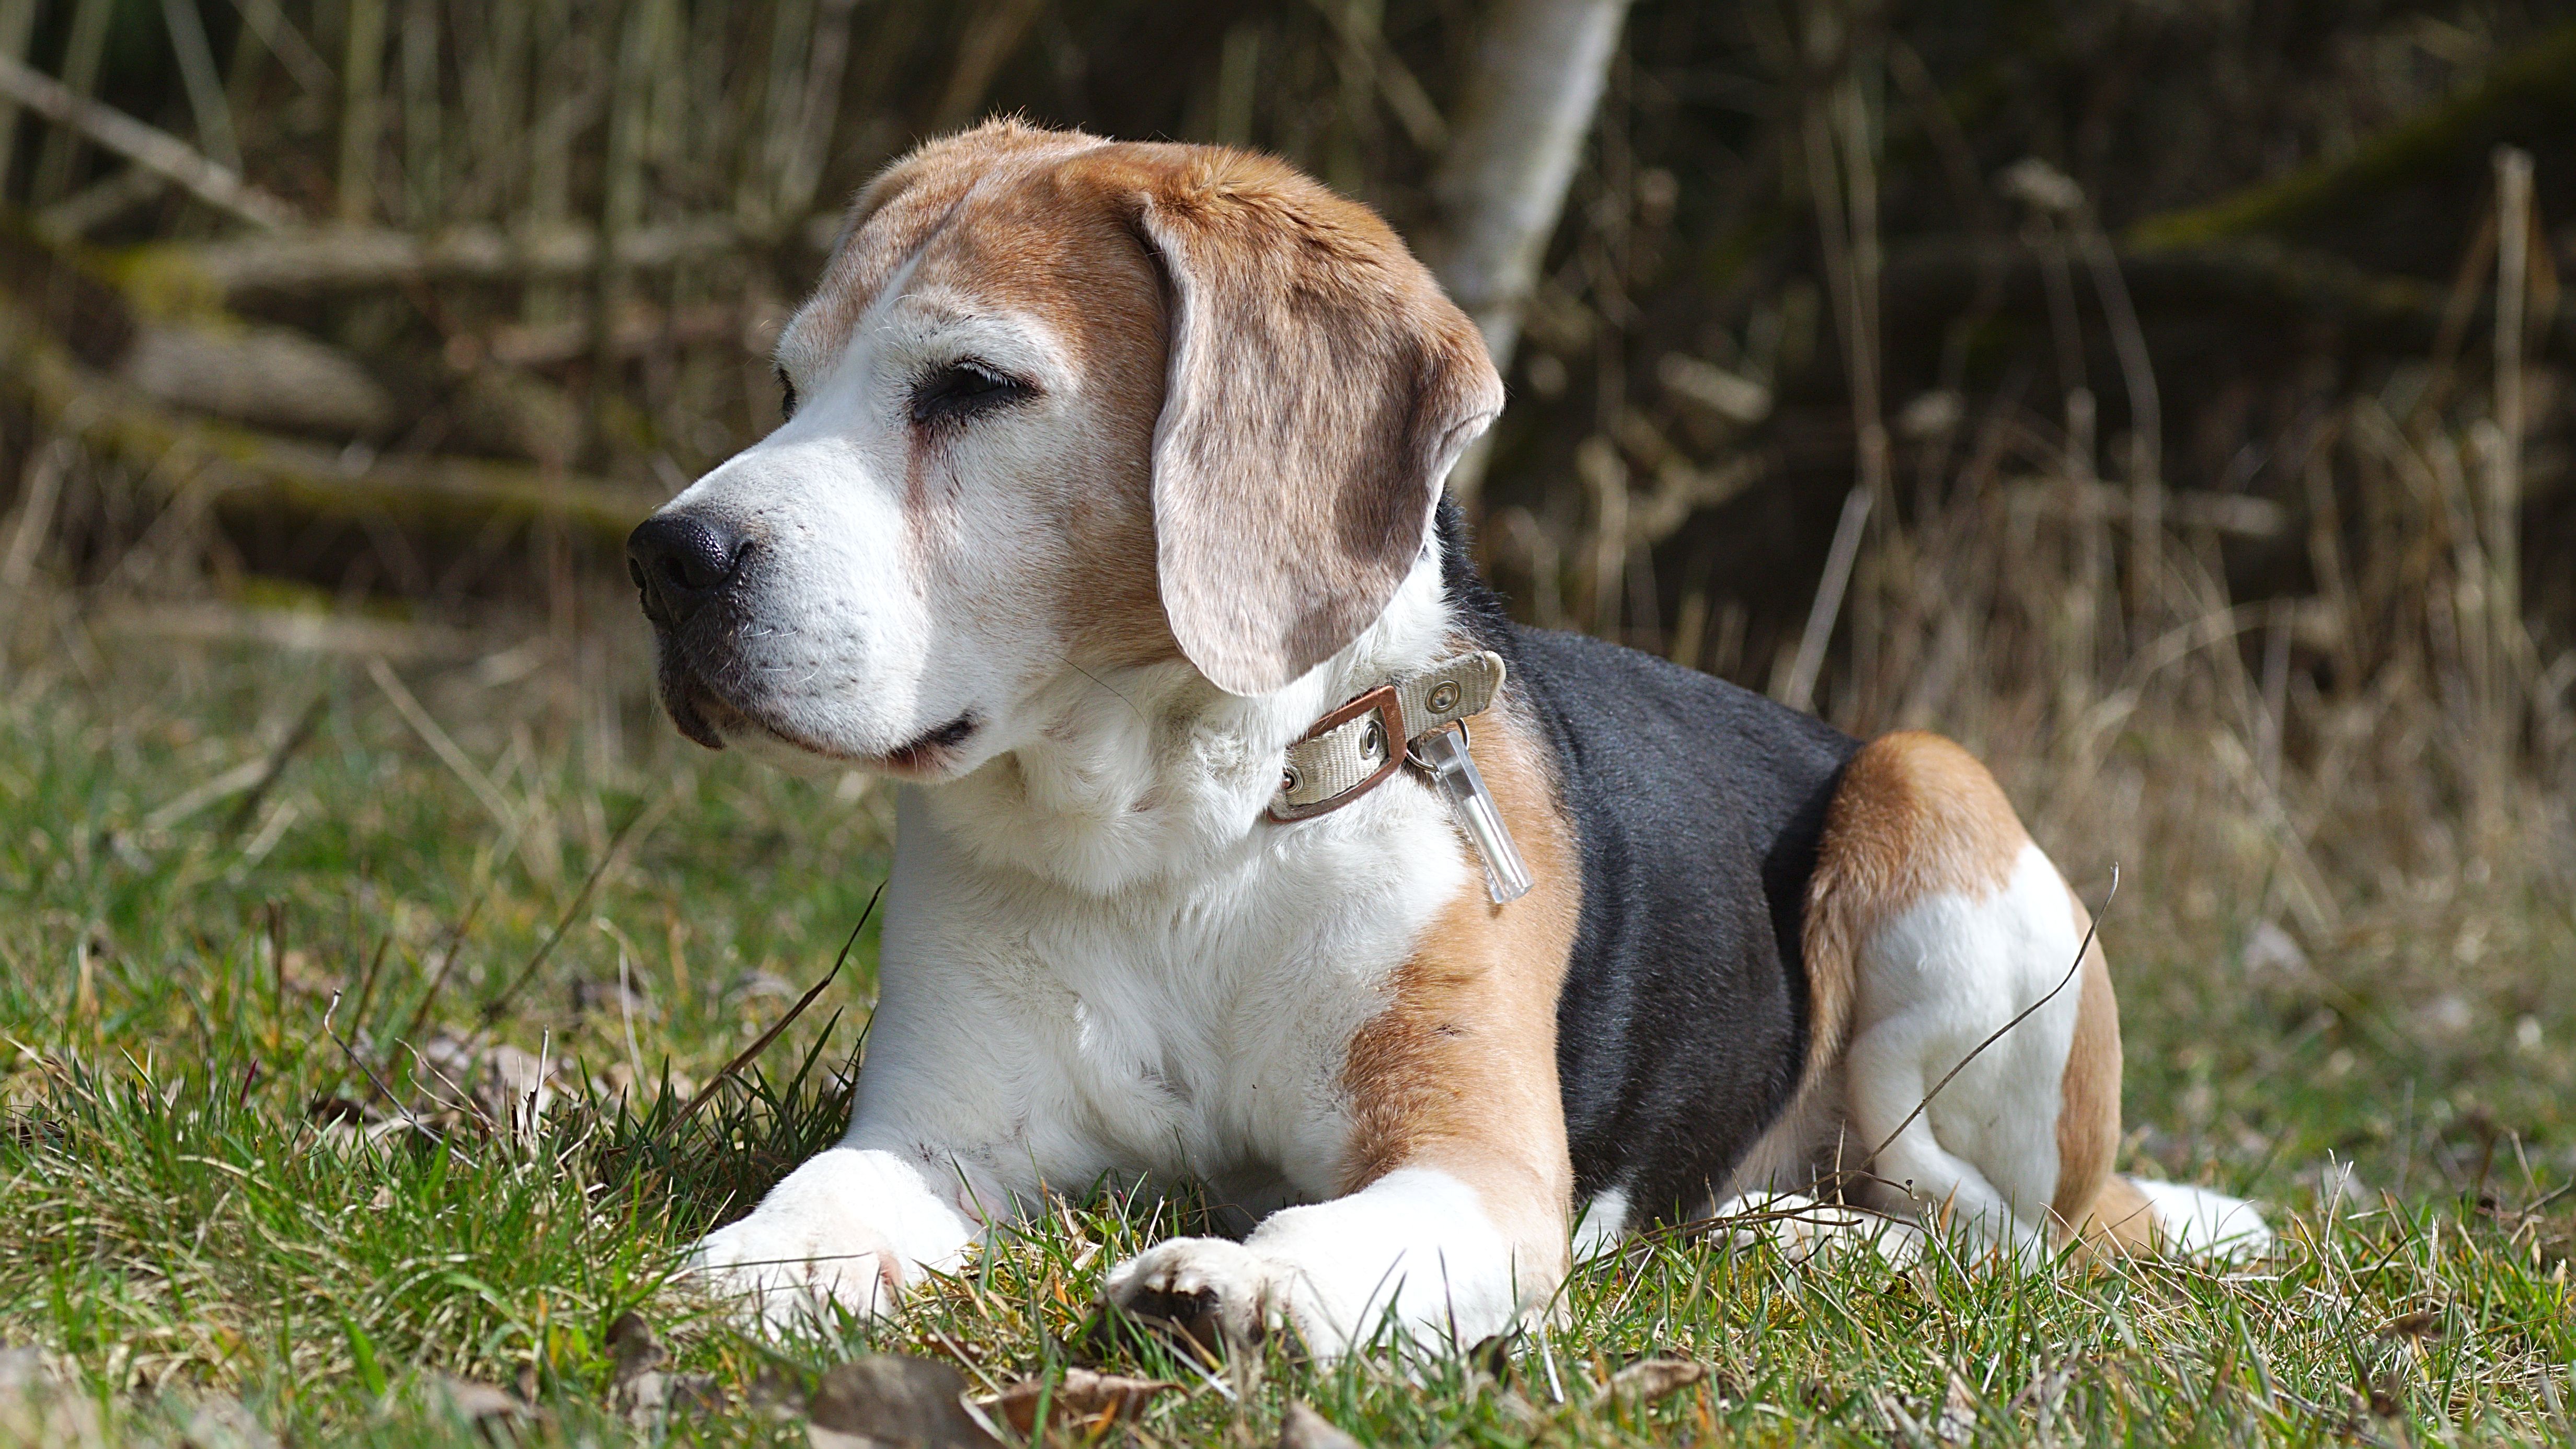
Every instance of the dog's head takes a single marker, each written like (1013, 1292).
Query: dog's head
(1058, 404)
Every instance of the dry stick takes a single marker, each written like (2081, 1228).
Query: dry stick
(367, 980)
(39, 495)
(267, 778)
(454, 945)
(1800, 687)
(650, 811)
(370, 1073)
(155, 150)
(443, 745)
(745, 1058)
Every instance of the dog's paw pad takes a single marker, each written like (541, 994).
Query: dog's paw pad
(1206, 1290)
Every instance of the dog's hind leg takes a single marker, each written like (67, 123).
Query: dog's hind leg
(1970, 1019)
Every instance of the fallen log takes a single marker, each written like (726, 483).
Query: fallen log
(2252, 280)
(244, 473)
(2538, 80)
(349, 258)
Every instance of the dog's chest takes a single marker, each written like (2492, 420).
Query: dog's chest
(1195, 1026)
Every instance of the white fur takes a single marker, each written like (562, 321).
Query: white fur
(1099, 961)
(1931, 986)
(1100, 958)
(848, 1226)
(889, 604)
(1603, 1221)
(2201, 1223)
(1801, 1228)
(1415, 1246)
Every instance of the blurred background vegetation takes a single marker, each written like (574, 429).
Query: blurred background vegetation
(2166, 397)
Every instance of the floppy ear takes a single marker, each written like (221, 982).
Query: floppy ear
(1320, 386)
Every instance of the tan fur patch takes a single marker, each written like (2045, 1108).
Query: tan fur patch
(2120, 1221)
(2088, 1118)
(1914, 815)
(1318, 387)
(1460, 1071)
(1281, 385)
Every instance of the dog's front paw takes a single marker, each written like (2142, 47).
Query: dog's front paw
(786, 1265)
(1209, 1290)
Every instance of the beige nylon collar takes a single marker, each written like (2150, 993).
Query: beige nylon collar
(1353, 749)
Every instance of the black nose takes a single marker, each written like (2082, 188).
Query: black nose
(680, 562)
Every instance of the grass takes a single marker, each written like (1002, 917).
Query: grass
(206, 1202)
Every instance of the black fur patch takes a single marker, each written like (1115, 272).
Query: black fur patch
(1697, 806)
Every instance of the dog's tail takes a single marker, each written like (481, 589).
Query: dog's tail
(2142, 1215)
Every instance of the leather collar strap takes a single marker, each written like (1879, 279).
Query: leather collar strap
(1353, 749)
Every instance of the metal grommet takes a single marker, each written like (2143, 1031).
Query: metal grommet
(1288, 781)
(1444, 697)
(1373, 740)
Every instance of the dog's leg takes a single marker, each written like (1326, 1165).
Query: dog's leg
(853, 1226)
(1457, 1187)
(1949, 926)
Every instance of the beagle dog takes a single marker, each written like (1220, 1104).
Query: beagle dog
(1107, 519)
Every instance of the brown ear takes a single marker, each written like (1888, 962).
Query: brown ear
(1320, 386)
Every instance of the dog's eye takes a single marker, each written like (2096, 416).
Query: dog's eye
(961, 390)
(786, 396)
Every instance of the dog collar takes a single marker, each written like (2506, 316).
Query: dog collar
(1354, 748)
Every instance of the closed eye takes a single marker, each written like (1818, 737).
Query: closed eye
(786, 396)
(960, 390)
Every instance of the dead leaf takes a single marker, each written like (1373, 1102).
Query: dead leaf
(2422, 1323)
(1649, 1379)
(639, 1391)
(632, 1344)
(473, 1402)
(1306, 1429)
(1083, 1394)
(886, 1400)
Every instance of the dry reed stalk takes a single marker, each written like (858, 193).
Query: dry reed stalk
(17, 28)
(993, 35)
(1842, 184)
(818, 111)
(424, 142)
(562, 94)
(206, 100)
(263, 21)
(2515, 223)
(362, 78)
(83, 51)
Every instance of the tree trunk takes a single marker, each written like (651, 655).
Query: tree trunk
(1528, 100)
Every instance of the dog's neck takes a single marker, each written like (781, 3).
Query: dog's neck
(1140, 775)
